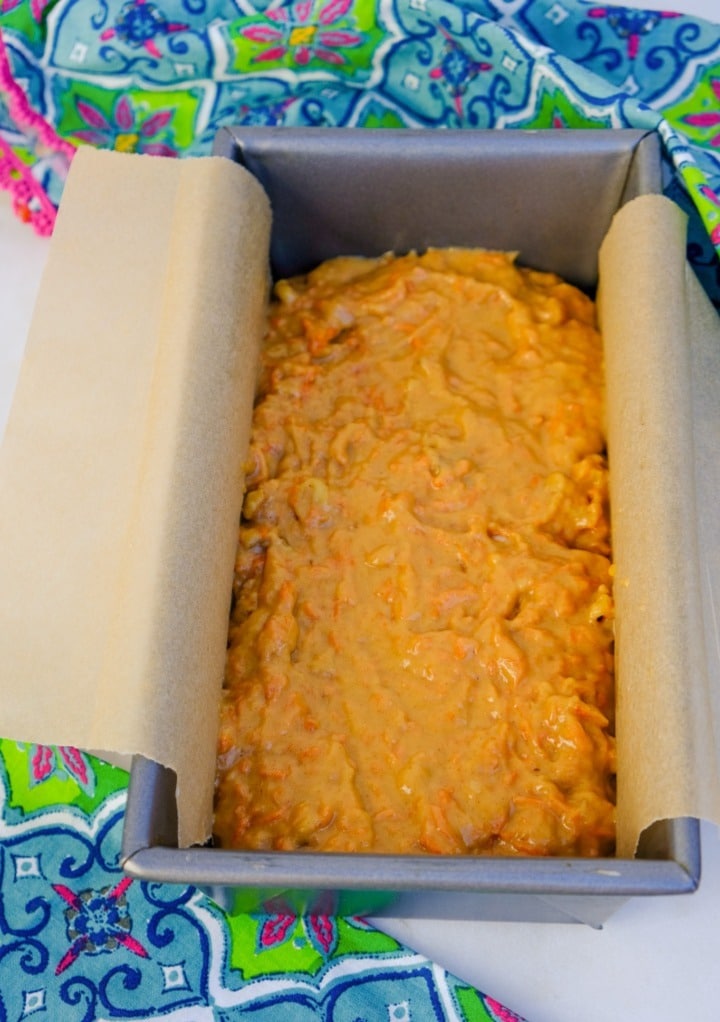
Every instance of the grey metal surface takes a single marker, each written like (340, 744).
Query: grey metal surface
(456, 887)
(551, 196)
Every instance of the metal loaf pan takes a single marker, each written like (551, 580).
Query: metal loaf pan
(551, 195)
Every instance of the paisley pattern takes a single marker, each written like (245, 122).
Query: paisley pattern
(81, 942)
(161, 76)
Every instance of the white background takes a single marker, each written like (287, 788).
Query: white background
(655, 960)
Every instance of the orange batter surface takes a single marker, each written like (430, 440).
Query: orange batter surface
(420, 649)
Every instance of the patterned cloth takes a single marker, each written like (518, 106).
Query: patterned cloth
(80, 942)
(160, 76)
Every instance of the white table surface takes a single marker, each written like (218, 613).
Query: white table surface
(655, 960)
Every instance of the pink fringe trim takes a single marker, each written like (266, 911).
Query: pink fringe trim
(30, 201)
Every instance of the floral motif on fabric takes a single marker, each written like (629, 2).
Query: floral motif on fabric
(630, 24)
(303, 34)
(97, 922)
(61, 761)
(332, 35)
(280, 927)
(705, 122)
(319, 926)
(126, 130)
(139, 23)
(457, 70)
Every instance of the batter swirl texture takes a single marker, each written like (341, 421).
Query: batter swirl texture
(420, 648)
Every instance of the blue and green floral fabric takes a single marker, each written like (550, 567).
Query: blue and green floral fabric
(160, 76)
(81, 942)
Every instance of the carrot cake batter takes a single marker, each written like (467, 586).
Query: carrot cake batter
(420, 648)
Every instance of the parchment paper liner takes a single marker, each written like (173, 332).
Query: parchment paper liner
(655, 319)
(120, 467)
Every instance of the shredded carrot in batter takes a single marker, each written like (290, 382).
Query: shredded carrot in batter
(420, 650)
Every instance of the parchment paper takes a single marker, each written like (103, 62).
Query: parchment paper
(120, 482)
(120, 470)
(655, 321)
